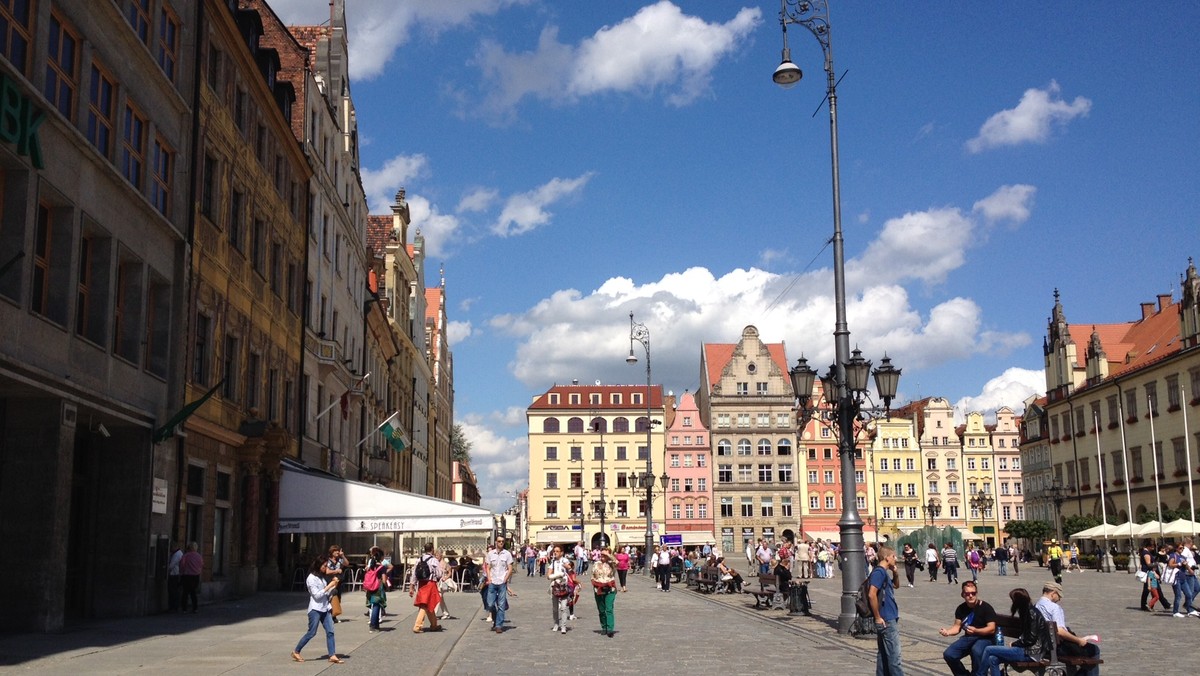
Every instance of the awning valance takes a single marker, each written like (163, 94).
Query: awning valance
(552, 537)
(315, 502)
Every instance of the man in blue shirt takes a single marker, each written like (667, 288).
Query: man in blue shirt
(882, 597)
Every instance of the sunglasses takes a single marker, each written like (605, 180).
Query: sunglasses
(966, 594)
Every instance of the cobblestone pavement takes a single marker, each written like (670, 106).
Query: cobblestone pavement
(655, 631)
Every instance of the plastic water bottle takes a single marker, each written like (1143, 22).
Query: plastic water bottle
(999, 636)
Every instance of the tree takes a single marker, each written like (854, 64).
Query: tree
(1029, 530)
(460, 446)
(1077, 522)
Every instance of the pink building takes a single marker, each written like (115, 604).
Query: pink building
(689, 468)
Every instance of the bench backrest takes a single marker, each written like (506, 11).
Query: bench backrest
(1011, 624)
(764, 580)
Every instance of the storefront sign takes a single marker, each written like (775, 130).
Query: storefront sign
(19, 121)
(158, 496)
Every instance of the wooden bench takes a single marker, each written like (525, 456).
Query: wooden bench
(768, 594)
(708, 579)
(1057, 664)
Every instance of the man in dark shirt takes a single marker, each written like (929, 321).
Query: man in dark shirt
(882, 599)
(977, 620)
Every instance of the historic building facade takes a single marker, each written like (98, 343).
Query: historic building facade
(1122, 407)
(587, 451)
(95, 202)
(689, 470)
(746, 402)
(895, 476)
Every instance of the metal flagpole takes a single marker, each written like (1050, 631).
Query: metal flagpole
(1103, 502)
(1187, 448)
(339, 399)
(386, 421)
(1128, 498)
(1154, 454)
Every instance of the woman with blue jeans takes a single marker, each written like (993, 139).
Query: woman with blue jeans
(320, 611)
(1032, 644)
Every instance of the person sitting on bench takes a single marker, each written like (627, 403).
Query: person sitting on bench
(1069, 645)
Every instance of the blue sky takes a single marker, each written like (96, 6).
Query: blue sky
(569, 163)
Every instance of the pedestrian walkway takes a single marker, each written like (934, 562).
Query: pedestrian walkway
(683, 629)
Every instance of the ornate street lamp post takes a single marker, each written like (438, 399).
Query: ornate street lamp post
(640, 334)
(932, 510)
(982, 502)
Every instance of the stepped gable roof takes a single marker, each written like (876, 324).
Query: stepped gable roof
(717, 356)
(308, 37)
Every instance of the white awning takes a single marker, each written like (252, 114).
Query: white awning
(315, 502)
(552, 537)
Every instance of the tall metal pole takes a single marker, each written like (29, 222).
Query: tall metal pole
(640, 333)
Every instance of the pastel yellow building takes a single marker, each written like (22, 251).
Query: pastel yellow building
(894, 477)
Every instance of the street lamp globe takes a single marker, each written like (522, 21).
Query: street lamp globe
(788, 74)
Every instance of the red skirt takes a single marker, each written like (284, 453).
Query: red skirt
(428, 596)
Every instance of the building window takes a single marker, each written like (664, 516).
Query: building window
(743, 447)
(200, 350)
(234, 225)
(814, 503)
(576, 479)
(229, 391)
(674, 460)
(747, 507)
(764, 419)
(674, 485)
(133, 151)
(687, 459)
(208, 195)
(552, 509)
(168, 42)
(101, 100)
(764, 447)
(829, 504)
(764, 474)
(675, 511)
(42, 252)
(160, 184)
(702, 460)
(828, 476)
(743, 420)
(743, 388)
(253, 378)
(812, 476)
(258, 247)
(745, 473)
(552, 452)
(577, 453)
(158, 326)
(703, 510)
(551, 480)
(62, 67)
(622, 453)
(785, 473)
(138, 13)
(688, 485)
(724, 474)
(767, 507)
(16, 17)
(724, 447)
(702, 484)
(727, 507)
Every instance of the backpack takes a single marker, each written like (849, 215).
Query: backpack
(371, 579)
(863, 603)
(423, 569)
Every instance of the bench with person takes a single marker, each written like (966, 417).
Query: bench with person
(708, 579)
(768, 595)
(1056, 664)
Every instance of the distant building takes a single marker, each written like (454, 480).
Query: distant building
(466, 490)
(689, 468)
(895, 476)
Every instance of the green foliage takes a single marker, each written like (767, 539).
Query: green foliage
(460, 446)
(1029, 530)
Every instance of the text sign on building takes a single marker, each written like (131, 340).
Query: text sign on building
(158, 496)
(19, 121)
(672, 540)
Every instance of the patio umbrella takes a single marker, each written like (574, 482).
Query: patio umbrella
(1180, 527)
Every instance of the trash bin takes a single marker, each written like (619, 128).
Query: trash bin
(798, 600)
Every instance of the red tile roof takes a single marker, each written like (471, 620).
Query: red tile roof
(1131, 345)
(541, 402)
(717, 356)
(379, 233)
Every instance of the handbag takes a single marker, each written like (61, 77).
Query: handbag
(1168, 576)
(1141, 575)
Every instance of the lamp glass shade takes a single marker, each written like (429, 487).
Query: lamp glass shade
(803, 376)
(829, 385)
(664, 479)
(857, 372)
(887, 379)
(787, 74)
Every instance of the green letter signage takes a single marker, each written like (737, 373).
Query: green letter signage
(19, 122)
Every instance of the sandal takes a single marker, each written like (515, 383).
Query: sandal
(337, 660)
(296, 656)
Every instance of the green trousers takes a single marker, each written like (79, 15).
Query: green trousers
(608, 618)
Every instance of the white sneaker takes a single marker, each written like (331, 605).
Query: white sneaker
(554, 627)
(910, 586)
(658, 585)
(572, 618)
(1179, 615)
(488, 618)
(564, 630)
(1194, 613)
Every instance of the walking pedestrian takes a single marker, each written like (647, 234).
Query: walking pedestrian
(1145, 564)
(604, 586)
(319, 611)
(190, 567)
(498, 567)
(560, 591)
(335, 565)
(910, 562)
(375, 587)
(974, 561)
(423, 588)
(804, 556)
(950, 563)
(1002, 560)
(882, 598)
(1055, 553)
(174, 580)
(622, 568)
(664, 568)
(932, 562)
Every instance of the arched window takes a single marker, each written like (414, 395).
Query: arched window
(575, 425)
(621, 424)
(764, 447)
(743, 447)
(550, 425)
(598, 424)
(784, 447)
(724, 447)
(641, 424)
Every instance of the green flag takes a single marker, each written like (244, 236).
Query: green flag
(393, 436)
(167, 431)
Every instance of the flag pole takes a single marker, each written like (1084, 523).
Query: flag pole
(339, 399)
(1154, 454)
(388, 420)
(1187, 448)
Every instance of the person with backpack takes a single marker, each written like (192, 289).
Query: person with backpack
(881, 597)
(975, 562)
(374, 587)
(423, 586)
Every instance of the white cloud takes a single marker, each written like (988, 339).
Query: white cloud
(1031, 121)
(438, 229)
(478, 199)
(379, 27)
(924, 245)
(380, 185)
(456, 332)
(526, 211)
(658, 49)
(1010, 389)
(501, 464)
(1011, 203)
(767, 257)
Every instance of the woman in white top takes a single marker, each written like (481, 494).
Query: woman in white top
(560, 592)
(932, 562)
(319, 611)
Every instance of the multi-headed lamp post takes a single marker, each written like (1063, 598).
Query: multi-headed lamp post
(846, 388)
(982, 503)
(640, 334)
(932, 510)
